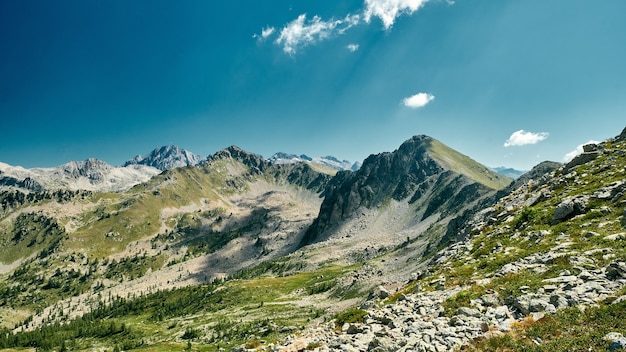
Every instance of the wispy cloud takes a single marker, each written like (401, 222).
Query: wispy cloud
(302, 32)
(389, 10)
(353, 47)
(265, 33)
(579, 150)
(418, 100)
(521, 137)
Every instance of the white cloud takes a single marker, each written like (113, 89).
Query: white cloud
(353, 47)
(389, 10)
(579, 150)
(265, 33)
(300, 32)
(521, 137)
(418, 100)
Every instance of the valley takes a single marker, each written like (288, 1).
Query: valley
(419, 249)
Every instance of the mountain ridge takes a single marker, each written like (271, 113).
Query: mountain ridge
(283, 255)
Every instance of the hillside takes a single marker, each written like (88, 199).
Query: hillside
(420, 249)
(543, 269)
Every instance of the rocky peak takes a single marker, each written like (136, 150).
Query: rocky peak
(255, 162)
(410, 174)
(93, 169)
(167, 157)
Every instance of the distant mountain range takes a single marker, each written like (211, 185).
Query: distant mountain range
(509, 172)
(96, 175)
(330, 161)
(91, 174)
(168, 157)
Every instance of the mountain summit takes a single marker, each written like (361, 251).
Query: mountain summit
(424, 179)
(167, 157)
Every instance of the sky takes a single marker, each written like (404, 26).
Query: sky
(508, 83)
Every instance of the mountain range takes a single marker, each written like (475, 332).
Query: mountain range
(97, 175)
(421, 248)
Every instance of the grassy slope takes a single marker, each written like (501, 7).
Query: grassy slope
(462, 164)
(127, 217)
(515, 235)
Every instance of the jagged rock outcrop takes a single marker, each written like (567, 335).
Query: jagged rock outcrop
(167, 157)
(298, 174)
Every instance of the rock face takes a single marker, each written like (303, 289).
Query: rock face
(410, 174)
(167, 157)
(92, 169)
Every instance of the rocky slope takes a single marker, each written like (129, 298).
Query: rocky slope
(538, 271)
(420, 186)
(421, 249)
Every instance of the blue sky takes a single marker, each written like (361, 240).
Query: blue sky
(508, 83)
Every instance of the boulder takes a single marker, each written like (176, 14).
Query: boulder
(570, 207)
(381, 292)
(563, 210)
(490, 300)
(468, 312)
(617, 341)
(354, 329)
(616, 270)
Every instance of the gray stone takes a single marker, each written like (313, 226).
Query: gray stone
(616, 270)
(490, 300)
(468, 312)
(550, 288)
(619, 299)
(615, 237)
(579, 160)
(353, 329)
(566, 279)
(538, 305)
(559, 301)
(381, 292)
(617, 341)
(381, 344)
(563, 210)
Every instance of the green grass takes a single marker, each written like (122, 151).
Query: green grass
(463, 164)
(352, 315)
(567, 330)
(217, 315)
(30, 233)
